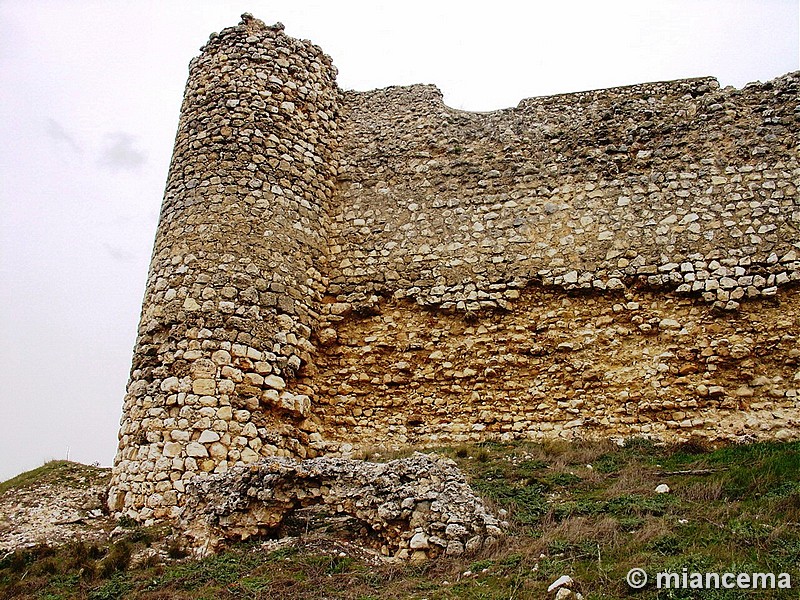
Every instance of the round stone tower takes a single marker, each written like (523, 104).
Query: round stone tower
(237, 270)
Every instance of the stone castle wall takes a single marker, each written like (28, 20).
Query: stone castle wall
(237, 270)
(335, 270)
(596, 237)
(677, 184)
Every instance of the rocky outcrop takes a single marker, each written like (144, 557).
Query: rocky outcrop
(55, 504)
(417, 507)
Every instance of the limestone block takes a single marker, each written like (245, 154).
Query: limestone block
(274, 382)
(196, 450)
(191, 304)
(204, 387)
(221, 357)
(203, 368)
(208, 436)
(170, 384)
(419, 541)
(172, 449)
(249, 456)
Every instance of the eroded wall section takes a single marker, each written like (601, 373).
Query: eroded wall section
(615, 262)
(561, 365)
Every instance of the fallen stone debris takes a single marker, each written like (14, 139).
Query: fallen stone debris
(411, 508)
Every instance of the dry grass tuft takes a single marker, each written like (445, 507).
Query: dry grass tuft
(632, 479)
(602, 530)
(561, 454)
(651, 530)
(702, 491)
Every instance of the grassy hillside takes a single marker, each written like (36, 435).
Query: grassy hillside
(61, 472)
(588, 510)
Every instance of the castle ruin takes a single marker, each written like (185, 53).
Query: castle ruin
(338, 270)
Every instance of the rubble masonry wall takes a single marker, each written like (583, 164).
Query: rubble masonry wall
(338, 270)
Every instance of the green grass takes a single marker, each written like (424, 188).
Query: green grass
(61, 471)
(588, 510)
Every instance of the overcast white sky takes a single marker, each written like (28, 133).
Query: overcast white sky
(89, 100)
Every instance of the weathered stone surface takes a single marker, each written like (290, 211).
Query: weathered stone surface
(66, 506)
(419, 541)
(564, 366)
(338, 269)
(172, 449)
(195, 449)
(208, 436)
(407, 503)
